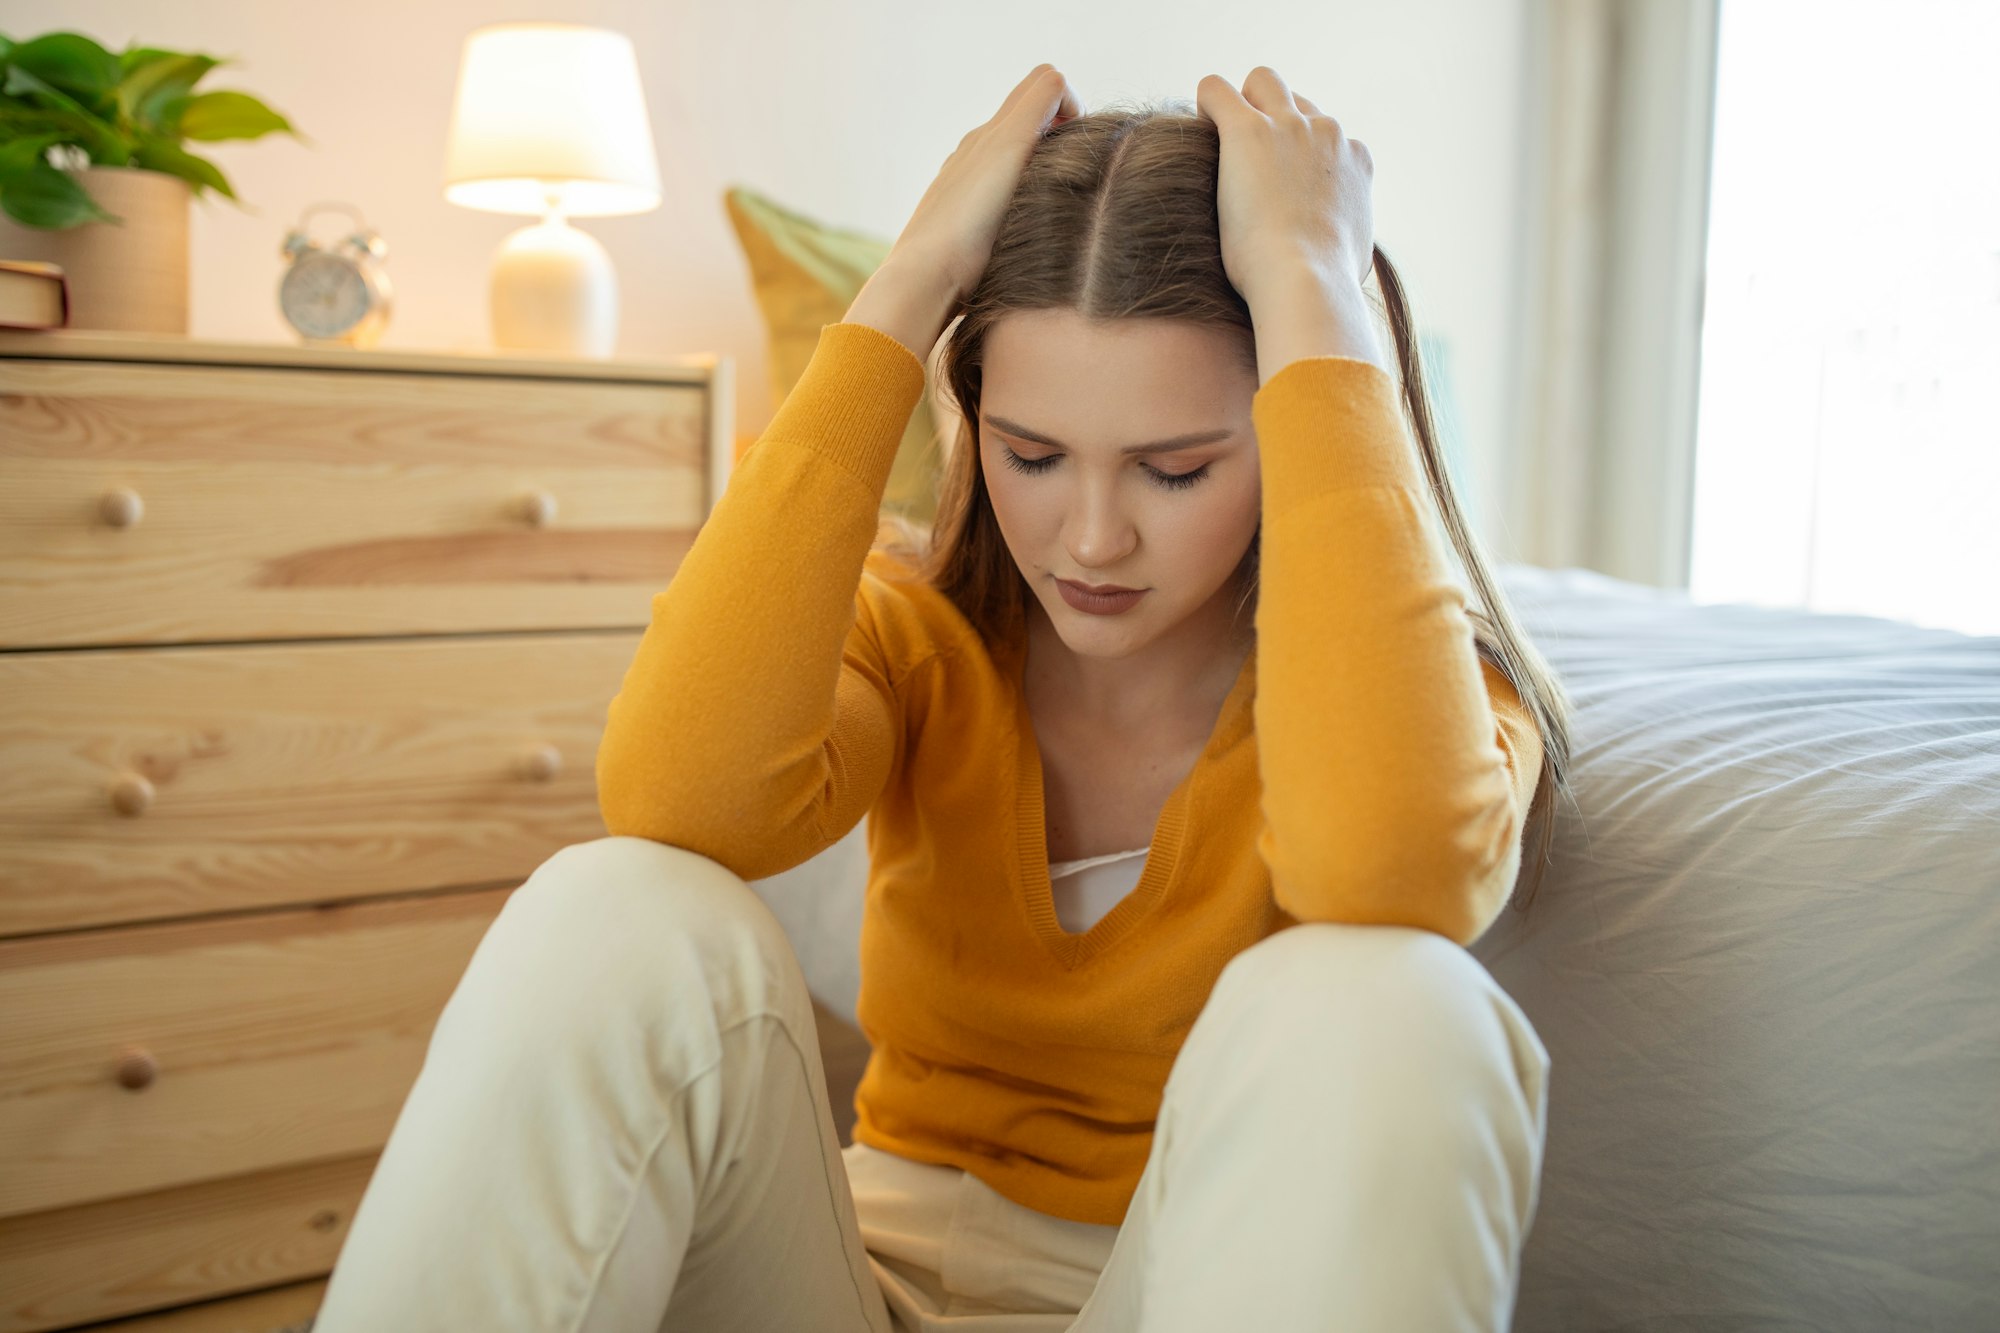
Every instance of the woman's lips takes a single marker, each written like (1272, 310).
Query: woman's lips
(1098, 604)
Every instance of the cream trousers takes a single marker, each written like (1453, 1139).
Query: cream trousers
(621, 1125)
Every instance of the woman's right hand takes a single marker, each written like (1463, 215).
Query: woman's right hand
(958, 219)
(949, 239)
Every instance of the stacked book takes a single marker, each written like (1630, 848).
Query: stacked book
(33, 295)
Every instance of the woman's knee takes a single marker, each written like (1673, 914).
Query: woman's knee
(1419, 1001)
(602, 923)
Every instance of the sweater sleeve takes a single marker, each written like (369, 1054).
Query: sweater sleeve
(758, 720)
(1397, 766)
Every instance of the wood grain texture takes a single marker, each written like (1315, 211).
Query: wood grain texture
(275, 1310)
(292, 773)
(286, 503)
(156, 1251)
(305, 656)
(278, 1038)
(692, 368)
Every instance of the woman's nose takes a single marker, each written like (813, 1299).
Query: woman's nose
(1100, 530)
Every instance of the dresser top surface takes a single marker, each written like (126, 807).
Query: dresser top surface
(90, 344)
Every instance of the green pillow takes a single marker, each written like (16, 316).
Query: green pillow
(806, 274)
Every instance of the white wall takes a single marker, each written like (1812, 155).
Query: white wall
(841, 112)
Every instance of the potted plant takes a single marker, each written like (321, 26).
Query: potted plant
(94, 175)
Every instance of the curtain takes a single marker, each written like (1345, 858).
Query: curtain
(1618, 124)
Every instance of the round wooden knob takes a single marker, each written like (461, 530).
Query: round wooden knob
(539, 763)
(137, 1068)
(131, 793)
(121, 507)
(538, 507)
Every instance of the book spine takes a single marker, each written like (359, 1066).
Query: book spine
(61, 281)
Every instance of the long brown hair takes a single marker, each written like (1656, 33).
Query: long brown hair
(1114, 218)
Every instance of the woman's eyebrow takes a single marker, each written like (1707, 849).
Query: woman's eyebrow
(1156, 447)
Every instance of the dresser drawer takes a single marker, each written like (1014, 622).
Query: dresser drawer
(151, 503)
(146, 1057)
(199, 1244)
(152, 783)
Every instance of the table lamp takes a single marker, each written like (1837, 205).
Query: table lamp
(549, 121)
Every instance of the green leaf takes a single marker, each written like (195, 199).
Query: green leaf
(51, 199)
(130, 109)
(160, 155)
(229, 115)
(71, 62)
(132, 57)
(152, 87)
(17, 120)
(19, 156)
(100, 139)
(26, 83)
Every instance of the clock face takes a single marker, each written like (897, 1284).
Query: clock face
(322, 296)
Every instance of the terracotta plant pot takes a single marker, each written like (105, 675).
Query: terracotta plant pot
(131, 277)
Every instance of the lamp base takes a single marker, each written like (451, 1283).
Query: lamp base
(553, 290)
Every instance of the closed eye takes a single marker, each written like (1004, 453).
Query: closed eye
(1173, 481)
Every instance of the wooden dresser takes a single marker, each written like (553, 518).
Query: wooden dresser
(304, 658)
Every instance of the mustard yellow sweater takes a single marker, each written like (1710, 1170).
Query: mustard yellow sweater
(1367, 767)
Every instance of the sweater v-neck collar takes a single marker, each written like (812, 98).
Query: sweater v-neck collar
(1031, 877)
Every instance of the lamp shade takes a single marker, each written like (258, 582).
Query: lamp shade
(550, 110)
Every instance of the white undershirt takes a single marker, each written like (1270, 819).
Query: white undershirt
(1087, 888)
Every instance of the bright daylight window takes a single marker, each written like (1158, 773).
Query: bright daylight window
(1847, 454)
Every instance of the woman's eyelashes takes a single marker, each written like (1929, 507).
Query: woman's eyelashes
(1173, 481)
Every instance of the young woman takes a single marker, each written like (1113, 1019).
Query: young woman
(1164, 953)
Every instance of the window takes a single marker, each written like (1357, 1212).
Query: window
(1847, 445)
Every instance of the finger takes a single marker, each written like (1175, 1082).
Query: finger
(1071, 104)
(1046, 95)
(1020, 90)
(1217, 98)
(1063, 105)
(1307, 106)
(1265, 90)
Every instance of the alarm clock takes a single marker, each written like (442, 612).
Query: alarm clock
(336, 294)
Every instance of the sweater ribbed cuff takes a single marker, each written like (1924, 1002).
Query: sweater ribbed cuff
(853, 401)
(1332, 423)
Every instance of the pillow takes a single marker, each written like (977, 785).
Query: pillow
(805, 274)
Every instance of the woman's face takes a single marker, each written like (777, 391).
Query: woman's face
(1067, 397)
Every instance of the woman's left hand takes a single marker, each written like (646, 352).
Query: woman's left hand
(1293, 194)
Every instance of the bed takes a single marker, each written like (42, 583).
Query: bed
(1765, 961)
